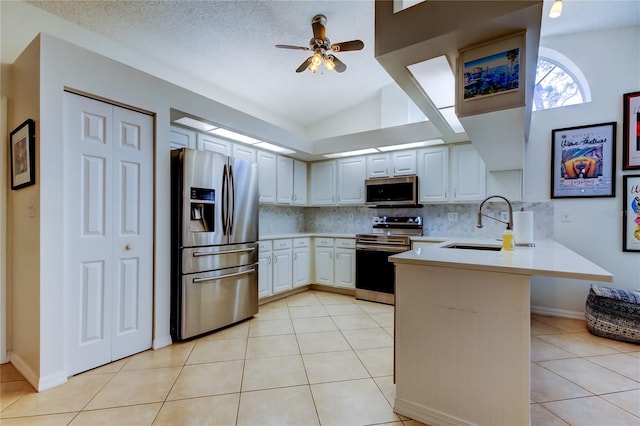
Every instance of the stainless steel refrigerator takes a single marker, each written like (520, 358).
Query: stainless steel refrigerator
(214, 233)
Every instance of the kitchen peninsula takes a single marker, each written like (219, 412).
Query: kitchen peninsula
(462, 348)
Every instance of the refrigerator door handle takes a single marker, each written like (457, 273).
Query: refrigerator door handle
(200, 253)
(232, 194)
(199, 280)
(224, 200)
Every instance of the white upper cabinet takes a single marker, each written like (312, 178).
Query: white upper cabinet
(398, 163)
(352, 172)
(323, 183)
(403, 163)
(469, 174)
(285, 180)
(378, 165)
(214, 144)
(299, 183)
(267, 167)
(181, 138)
(433, 174)
(244, 152)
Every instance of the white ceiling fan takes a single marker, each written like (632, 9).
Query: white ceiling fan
(323, 50)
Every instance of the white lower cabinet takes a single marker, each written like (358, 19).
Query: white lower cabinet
(265, 269)
(301, 262)
(335, 261)
(324, 260)
(282, 265)
(345, 265)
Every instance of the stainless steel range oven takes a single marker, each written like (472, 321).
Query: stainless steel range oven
(375, 275)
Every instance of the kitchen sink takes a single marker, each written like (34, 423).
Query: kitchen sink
(490, 247)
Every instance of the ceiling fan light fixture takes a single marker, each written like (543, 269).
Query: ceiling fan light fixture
(313, 68)
(556, 9)
(329, 65)
(316, 59)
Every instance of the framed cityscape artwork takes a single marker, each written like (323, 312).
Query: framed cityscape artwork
(491, 76)
(631, 131)
(631, 213)
(583, 161)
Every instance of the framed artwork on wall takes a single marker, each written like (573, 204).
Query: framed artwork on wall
(583, 161)
(631, 131)
(23, 160)
(631, 213)
(491, 76)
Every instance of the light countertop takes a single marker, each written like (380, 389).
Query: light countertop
(547, 258)
(305, 234)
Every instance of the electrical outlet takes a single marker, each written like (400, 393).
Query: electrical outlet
(565, 217)
(350, 216)
(453, 217)
(504, 216)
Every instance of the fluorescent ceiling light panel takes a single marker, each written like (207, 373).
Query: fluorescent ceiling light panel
(196, 124)
(410, 145)
(449, 114)
(274, 148)
(351, 153)
(235, 136)
(437, 80)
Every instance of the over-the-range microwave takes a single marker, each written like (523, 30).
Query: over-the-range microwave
(401, 191)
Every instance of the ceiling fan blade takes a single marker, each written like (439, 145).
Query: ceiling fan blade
(317, 23)
(286, 46)
(304, 65)
(340, 66)
(347, 45)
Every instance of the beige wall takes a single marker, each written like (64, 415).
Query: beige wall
(23, 247)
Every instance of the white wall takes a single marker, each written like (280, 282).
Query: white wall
(611, 64)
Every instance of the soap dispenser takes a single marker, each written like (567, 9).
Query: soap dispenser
(507, 239)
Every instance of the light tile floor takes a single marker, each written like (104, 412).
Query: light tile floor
(317, 358)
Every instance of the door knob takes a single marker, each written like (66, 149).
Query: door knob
(128, 247)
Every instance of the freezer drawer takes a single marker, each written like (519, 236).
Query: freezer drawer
(211, 300)
(197, 259)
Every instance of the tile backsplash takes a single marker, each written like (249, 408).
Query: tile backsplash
(279, 220)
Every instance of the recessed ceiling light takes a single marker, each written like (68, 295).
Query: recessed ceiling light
(196, 124)
(351, 153)
(235, 136)
(437, 79)
(274, 148)
(411, 145)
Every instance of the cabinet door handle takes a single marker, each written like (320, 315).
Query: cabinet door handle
(275, 259)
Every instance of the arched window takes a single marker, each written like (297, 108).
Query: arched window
(559, 82)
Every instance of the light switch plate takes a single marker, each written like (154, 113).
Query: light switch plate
(452, 216)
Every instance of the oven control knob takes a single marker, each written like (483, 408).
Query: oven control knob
(376, 219)
(410, 220)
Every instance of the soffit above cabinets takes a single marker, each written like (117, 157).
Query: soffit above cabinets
(443, 28)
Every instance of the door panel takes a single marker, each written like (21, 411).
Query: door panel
(244, 209)
(133, 232)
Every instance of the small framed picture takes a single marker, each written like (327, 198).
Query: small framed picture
(23, 161)
(583, 161)
(631, 131)
(491, 76)
(631, 213)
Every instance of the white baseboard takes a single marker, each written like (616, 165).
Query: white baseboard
(161, 342)
(426, 415)
(543, 310)
(39, 383)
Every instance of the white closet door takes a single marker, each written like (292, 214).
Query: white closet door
(132, 232)
(108, 232)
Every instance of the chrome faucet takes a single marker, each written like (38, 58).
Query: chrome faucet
(480, 214)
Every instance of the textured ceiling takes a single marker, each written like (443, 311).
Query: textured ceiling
(230, 44)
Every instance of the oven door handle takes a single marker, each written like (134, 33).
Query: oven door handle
(220, 277)
(378, 247)
(215, 253)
